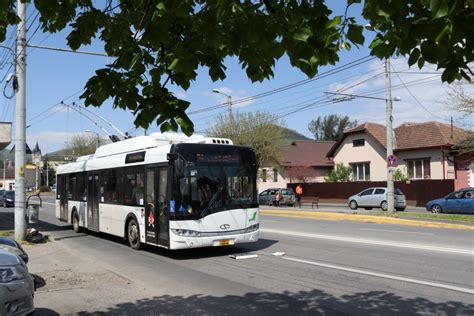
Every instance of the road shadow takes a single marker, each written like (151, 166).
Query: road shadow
(45, 312)
(199, 253)
(7, 222)
(314, 302)
(185, 254)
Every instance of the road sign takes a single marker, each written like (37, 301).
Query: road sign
(392, 161)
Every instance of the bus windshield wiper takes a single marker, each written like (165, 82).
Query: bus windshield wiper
(211, 202)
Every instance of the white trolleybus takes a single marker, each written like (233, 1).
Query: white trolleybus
(165, 189)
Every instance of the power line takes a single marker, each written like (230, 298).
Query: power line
(290, 86)
(416, 99)
(68, 50)
(52, 107)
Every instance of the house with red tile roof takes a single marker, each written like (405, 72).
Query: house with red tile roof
(300, 161)
(463, 153)
(422, 150)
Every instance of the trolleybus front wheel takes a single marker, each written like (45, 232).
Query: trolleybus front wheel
(133, 234)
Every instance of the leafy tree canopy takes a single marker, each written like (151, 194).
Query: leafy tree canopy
(259, 130)
(330, 127)
(157, 42)
(340, 173)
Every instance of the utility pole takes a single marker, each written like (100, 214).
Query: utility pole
(47, 173)
(390, 186)
(20, 124)
(231, 119)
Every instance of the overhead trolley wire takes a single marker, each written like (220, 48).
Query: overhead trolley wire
(290, 86)
(416, 99)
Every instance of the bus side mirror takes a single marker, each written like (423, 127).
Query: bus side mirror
(179, 167)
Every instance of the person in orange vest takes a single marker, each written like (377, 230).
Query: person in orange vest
(299, 193)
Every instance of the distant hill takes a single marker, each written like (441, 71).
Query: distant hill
(289, 135)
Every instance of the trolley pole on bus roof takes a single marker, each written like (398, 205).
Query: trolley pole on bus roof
(20, 123)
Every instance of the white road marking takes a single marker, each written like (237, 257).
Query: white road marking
(385, 276)
(396, 231)
(371, 242)
(268, 220)
(50, 203)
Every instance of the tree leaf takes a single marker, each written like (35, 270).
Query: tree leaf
(334, 22)
(415, 54)
(303, 34)
(439, 8)
(354, 34)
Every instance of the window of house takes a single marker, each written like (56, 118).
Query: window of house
(360, 171)
(358, 142)
(264, 175)
(275, 175)
(419, 169)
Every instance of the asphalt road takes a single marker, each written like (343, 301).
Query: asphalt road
(329, 267)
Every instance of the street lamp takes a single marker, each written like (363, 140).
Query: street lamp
(97, 134)
(229, 102)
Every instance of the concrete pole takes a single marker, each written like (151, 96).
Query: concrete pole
(229, 108)
(390, 186)
(47, 174)
(20, 124)
(4, 167)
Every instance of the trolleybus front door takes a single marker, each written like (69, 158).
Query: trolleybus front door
(93, 201)
(63, 188)
(156, 228)
(151, 222)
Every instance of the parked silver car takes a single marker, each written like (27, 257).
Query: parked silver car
(267, 197)
(376, 197)
(16, 286)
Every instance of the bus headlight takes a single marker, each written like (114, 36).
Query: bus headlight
(186, 232)
(252, 228)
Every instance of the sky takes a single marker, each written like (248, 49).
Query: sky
(54, 77)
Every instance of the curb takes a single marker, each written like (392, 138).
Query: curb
(378, 219)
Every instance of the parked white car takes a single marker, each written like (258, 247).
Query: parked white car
(16, 286)
(377, 197)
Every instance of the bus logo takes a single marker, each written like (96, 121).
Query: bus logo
(225, 226)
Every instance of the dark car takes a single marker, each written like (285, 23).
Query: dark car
(13, 246)
(16, 286)
(460, 201)
(7, 198)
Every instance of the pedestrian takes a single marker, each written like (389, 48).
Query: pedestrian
(299, 194)
(277, 198)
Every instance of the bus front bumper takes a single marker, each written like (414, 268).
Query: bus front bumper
(179, 242)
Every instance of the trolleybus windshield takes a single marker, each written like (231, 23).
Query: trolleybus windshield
(214, 181)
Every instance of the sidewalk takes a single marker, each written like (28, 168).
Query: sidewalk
(69, 284)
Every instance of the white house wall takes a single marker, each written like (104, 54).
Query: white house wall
(262, 186)
(436, 162)
(372, 152)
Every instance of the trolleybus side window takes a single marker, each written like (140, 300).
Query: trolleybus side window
(113, 182)
(134, 186)
(76, 188)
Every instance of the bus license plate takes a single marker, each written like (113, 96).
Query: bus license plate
(224, 242)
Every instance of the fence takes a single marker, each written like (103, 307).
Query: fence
(417, 192)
